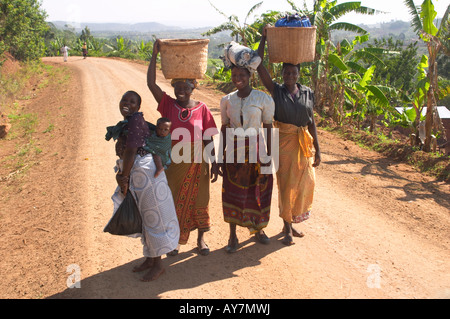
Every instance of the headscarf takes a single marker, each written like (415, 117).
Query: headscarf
(241, 56)
(191, 82)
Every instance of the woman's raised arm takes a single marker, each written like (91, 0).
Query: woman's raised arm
(151, 74)
(262, 71)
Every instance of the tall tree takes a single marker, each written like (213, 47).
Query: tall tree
(86, 35)
(436, 39)
(22, 28)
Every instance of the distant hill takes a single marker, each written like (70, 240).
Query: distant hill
(115, 27)
(398, 30)
(146, 32)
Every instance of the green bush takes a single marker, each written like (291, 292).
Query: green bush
(22, 28)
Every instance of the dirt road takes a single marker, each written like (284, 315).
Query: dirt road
(378, 229)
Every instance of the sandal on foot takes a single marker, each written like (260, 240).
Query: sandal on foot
(262, 238)
(203, 251)
(232, 248)
(173, 253)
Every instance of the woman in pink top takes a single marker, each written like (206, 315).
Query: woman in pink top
(188, 176)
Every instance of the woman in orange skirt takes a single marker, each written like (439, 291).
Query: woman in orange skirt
(294, 117)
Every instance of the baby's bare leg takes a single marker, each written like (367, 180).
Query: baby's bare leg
(159, 165)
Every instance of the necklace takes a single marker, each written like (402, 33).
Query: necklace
(185, 114)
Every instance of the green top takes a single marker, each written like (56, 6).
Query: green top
(154, 144)
(160, 146)
(113, 132)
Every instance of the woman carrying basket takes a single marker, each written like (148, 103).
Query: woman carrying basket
(247, 191)
(294, 118)
(188, 180)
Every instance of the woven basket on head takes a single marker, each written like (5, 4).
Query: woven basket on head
(184, 58)
(291, 44)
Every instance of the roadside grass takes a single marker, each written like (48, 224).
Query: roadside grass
(21, 144)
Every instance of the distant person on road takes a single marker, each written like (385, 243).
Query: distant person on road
(294, 117)
(65, 51)
(189, 180)
(247, 192)
(136, 174)
(84, 49)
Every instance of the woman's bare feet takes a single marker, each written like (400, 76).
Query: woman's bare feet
(287, 230)
(147, 264)
(289, 233)
(297, 233)
(153, 273)
(287, 240)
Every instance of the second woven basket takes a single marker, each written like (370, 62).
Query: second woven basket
(184, 58)
(291, 44)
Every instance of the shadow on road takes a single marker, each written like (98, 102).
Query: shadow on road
(385, 169)
(184, 271)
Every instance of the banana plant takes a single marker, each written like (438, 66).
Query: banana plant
(55, 46)
(419, 95)
(145, 50)
(95, 47)
(369, 99)
(436, 39)
(218, 72)
(120, 46)
(349, 82)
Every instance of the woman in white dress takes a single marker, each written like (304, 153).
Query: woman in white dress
(160, 229)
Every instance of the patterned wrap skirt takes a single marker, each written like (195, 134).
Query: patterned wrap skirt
(160, 229)
(295, 176)
(246, 193)
(190, 182)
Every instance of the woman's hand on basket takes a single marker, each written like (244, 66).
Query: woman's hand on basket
(265, 29)
(156, 46)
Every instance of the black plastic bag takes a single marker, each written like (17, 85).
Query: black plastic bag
(127, 219)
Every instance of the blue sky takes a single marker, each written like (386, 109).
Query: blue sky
(200, 13)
